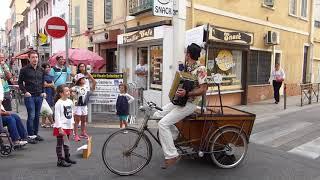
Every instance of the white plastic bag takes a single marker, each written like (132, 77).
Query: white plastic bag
(45, 108)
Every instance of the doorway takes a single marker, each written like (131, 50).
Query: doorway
(111, 59)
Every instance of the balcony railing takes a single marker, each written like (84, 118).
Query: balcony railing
(139, 6)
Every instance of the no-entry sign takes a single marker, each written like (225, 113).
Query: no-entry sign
(56, 27)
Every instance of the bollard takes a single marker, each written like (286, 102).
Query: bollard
(285, 96)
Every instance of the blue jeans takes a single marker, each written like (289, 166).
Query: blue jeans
(33, 105)
(15, 127)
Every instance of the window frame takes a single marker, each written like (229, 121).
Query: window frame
(104, 12)
(296, 8)
(306, 9)
(257, 83)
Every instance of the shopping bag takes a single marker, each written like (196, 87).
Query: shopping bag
(45, 108)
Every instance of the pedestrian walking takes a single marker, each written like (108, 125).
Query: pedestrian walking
(31, 80)
(122, 105)
(81, 108)
(63, 125)
(277, 77)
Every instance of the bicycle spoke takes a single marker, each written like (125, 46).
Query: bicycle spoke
(138, 155)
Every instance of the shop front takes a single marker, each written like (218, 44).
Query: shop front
(228, 55)
(106, 46)
(154, 46)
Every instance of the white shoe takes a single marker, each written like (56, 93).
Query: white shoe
(32, 137)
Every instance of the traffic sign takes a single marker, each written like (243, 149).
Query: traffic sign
(56, 27)
(43, 38)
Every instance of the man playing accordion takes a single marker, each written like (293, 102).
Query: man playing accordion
(172, 114)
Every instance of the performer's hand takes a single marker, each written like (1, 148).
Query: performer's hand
(181, 92)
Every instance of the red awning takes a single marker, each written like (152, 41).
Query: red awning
(21, 56)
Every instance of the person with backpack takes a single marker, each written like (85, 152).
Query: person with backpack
(60, 72)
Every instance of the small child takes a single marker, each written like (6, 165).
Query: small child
(122, 105)
(81, 109)
(63, 125)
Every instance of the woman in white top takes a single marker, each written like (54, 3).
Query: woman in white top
(277, 77)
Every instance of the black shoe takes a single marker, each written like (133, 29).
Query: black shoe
(63, 163)
(39, 138)
(31, 141)
(276, 102)
(68, 160)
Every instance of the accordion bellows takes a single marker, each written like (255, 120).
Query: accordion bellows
(181, 80)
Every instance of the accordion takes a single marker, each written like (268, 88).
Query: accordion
(182, 80)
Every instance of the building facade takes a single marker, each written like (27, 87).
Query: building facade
(60, 8)
(280, 32)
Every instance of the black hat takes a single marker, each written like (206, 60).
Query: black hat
(194, 50)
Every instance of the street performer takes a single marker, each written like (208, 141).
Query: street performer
(172, 114)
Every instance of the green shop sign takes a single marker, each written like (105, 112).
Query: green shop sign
(139, 6)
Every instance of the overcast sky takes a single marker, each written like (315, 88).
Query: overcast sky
(4, 12)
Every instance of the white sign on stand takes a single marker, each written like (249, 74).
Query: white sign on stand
(107, 88)
(163, 8)
(106, 93)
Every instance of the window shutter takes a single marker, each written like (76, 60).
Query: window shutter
(77, 19)
(89, 13)
(107, 11)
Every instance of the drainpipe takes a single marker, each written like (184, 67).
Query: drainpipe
(192, 13)
(311, 40)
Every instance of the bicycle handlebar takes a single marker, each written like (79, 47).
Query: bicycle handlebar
(154, 105)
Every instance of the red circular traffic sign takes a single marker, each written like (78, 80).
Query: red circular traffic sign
(56, 27)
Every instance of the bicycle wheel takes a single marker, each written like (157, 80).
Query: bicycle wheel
(229, 148)
(124, 154)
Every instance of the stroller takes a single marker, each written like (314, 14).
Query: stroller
(5, 149)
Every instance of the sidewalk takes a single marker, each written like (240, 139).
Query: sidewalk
(264, 110)
(268, 108)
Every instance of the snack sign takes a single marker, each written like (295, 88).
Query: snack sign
(163, 8)
(224, 60)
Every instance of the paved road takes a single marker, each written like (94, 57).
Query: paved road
(38, 162)
(297, 132)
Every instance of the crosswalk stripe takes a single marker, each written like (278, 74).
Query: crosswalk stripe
(269, 135)
(310, 149)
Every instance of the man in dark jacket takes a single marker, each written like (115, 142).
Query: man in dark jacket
(31, 80)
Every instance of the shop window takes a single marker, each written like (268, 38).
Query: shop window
(228, 63)
(155, 67)
(259, 67)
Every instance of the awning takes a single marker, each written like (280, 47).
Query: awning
(21, 56)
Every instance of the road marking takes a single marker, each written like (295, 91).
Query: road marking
(269, 135)
(310, 149)
(56, 27)
(264, 119)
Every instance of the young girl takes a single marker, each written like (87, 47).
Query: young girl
(122, 105)
(81, 108)
(49, 90)
(63, 125)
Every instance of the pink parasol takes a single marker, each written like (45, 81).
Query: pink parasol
(77, 55)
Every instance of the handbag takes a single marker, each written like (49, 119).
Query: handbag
(45, 108)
